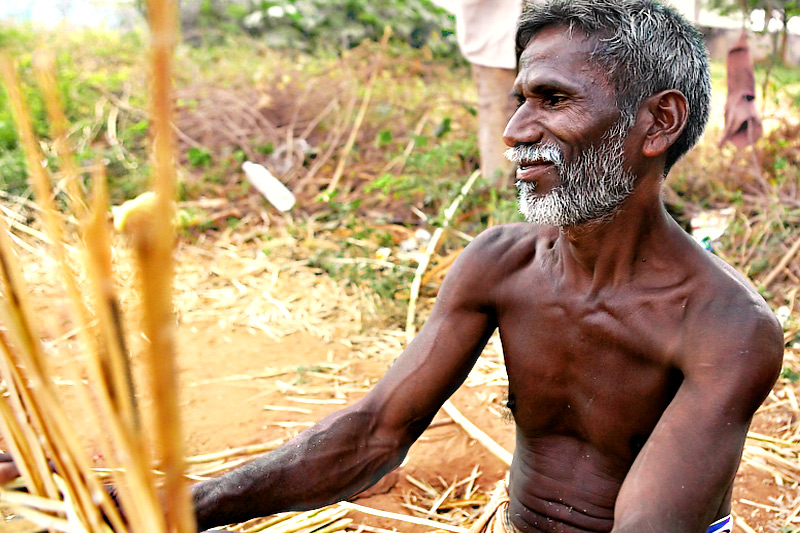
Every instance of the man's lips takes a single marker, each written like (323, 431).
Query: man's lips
(531, 170)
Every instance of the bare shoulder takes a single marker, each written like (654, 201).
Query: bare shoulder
(731, 334)
(509, 245)
(492, 258)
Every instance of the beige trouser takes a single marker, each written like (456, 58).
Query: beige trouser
(495, 107)
(494, 518)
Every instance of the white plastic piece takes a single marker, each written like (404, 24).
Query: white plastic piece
(422, 235)
(269, 186)
(709, 226)
(784, 314)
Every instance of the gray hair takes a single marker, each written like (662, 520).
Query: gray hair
(643, 46)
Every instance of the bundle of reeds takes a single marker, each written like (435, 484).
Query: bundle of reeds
(64, 492)
(145, 462)
(150, 486)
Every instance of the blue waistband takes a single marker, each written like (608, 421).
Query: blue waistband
(723, 525)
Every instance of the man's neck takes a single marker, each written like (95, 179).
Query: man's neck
(609, 252)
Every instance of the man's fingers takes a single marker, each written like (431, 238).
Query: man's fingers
(8, 472)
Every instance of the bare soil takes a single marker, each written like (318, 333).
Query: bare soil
(240, 386)
(224, 414)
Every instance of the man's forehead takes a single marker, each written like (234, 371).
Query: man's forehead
(558, 42)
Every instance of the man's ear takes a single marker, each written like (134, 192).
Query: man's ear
(667, 114)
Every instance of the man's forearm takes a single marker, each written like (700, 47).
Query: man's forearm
(334, 460)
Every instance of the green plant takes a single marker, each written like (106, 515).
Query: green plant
(340, 24)
(198, 157)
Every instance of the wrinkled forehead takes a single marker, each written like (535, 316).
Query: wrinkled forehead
(558, 41)
(566, 53)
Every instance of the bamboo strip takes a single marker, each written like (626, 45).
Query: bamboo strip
(792, 516)
(243, 450)
(45, 520)
(88, 513)
(403, 518)
(262, 523)
(154, 246)
(44, 66)
(20, 445)
(32, 395)
(29, 500)
(50, 428)
(98, 262)
(339, 525)
(73, 463)
(134, 480)
(744, 525)
(766, 438)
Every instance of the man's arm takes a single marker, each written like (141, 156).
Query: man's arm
(683, 475)
(352, 449)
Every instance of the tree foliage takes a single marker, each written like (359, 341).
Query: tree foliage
(780, 10)
(309, 25)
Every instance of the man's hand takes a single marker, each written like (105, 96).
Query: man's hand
(8, 470)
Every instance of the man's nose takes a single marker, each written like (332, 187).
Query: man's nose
(522, 128)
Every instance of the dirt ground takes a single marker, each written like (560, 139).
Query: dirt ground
(241, 385)
(231, 413)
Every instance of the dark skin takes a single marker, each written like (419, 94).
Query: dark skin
(635, 358)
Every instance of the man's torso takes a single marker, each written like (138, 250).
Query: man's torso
(591, 370)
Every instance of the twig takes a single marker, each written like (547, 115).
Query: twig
(359, 118)
(769, 278)
(316, 120)
(333, 141)
(476, 433)
(403, 158)
(403, 518)
(431, 248)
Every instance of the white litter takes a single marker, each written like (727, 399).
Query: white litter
(269, 186)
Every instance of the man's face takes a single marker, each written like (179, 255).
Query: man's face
(567, 136)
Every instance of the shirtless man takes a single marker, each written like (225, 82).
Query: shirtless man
(635, 358)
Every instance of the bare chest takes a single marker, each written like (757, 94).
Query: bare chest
(599, 370)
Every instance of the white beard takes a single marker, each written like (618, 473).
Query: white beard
(592, 187)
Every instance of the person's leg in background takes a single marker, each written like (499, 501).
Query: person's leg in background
(495, 107)
(486, 32)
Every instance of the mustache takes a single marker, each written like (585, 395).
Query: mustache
(535, 153)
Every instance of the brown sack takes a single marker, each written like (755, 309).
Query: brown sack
(742, 123)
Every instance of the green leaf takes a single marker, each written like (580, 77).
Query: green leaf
(198, 157)
(791, 375)
(443, 128)
(266, 149)
(385, 137)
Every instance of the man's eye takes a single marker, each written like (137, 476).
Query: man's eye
(554, 99)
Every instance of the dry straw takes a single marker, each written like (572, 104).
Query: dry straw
(66, 494)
